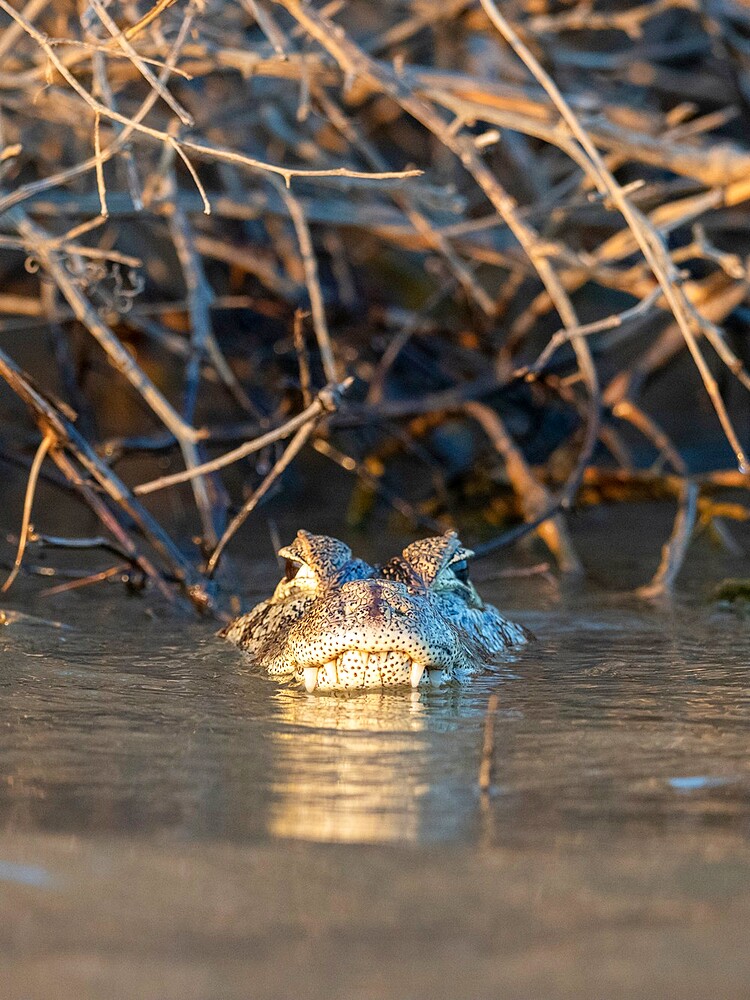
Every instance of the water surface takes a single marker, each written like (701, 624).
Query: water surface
(616, 715)
(171, 802)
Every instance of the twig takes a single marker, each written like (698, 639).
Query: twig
(486, 764)
(156, 10)
(587, 330)
(268, 26)
(326, 401)
(121, 39)
(310, 265)
(674, 552)
(41, 452)
(532, 494)
(86, 581)
(288, 455)
(101, 186)
(305, 378)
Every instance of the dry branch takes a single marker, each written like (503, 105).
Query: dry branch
(524, 223)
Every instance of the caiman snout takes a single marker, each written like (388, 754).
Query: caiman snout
(371, 633)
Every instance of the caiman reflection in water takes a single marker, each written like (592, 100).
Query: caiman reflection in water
(365, 768)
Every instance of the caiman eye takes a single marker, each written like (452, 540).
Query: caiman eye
(291, 569)
(461, 570)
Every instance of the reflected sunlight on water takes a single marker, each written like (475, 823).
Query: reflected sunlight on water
(350, 769)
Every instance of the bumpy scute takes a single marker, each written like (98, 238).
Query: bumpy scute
(336, 623)
(325, 556)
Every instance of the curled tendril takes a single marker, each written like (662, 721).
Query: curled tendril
(110, 286)
(113, 288)
(125, 294)
(122, 304)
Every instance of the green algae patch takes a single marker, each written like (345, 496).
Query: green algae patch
(734, 594)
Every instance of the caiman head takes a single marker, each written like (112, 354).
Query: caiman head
(337, 623)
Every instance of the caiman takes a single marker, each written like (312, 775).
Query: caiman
(336, 623)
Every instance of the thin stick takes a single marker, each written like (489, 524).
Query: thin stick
(121, 39)
(325, 402)
(533, 495)
(303, 362)
(587, 330)
(486, 764)
(86, 581)
(674, 552)
(156, 10)
(310, 265)
(290, 452)
(101, 187)
(268, 26)
(44, 445)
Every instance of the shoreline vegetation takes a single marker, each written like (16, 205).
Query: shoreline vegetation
(475, 254)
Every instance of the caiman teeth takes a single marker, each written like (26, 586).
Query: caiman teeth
(328, 677)
(311, 678)
(417, 669)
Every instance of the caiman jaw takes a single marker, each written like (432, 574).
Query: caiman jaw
(357, 669)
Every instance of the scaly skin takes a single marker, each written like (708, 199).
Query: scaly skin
(336, 623)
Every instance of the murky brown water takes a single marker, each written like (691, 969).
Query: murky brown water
(173, 825)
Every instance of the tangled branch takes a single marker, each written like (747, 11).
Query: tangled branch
(507, 231)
